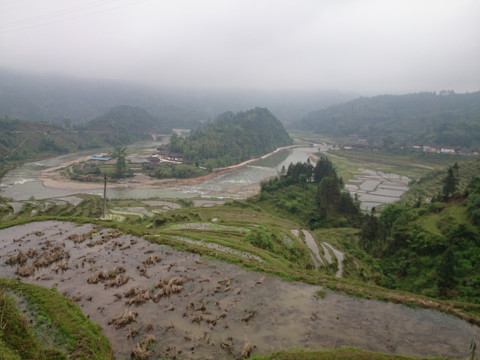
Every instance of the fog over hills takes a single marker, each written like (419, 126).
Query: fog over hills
(52, 98)
(443, 118)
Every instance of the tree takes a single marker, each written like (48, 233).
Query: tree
(329, 191)
(323, 168)
(119, 153)
(446, 272)
(450, 183)
(388, 141)
(473, 208)
(369, 232)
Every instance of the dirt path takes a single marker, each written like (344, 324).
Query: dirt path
(204, 309)
(339, 255)
(315, 253)
(312, 245)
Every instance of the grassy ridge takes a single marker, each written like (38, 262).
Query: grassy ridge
(52, 319)
(431, 184)
(413, 164)
(263, 227)
(347, 353)
(445, 119)
(288, 257)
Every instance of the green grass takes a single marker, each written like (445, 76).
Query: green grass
(432, 222)
(429, 224)
(55, 328)
(409, 163)
(431, 184)
(347, 353)
(289, 259)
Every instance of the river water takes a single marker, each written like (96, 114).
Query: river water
(292, 317)
(22, 184)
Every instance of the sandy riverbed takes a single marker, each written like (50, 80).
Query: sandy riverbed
(53, 178)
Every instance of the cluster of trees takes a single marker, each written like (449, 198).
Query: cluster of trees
(314, 192)
(433, 248)
(446, 119)
(89, 171)
(231, 139)
(177, 171)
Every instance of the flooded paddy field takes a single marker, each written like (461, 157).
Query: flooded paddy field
(199, 308)
(375, 188)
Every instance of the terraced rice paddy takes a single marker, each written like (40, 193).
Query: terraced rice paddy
(375, 188)
(152, 298)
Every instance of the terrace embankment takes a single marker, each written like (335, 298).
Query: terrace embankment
(155, 300)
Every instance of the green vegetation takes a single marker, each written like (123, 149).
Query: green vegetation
(22, 141)
(430, 248)
(50, 326)
(310, 195)
(446, 119)
(414, 164)
(231, 139)
(119, 153)
(177, 171)
(405, 248)
(347, 353)
(123, 125)
(431, 185)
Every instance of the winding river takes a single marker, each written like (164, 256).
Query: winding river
(286, 314)
(22, 183)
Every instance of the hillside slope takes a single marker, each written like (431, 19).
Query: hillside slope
(22, 140)
(233, 138)
(447, 119)
(124, 124)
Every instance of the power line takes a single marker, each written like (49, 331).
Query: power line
(55, 13)
(11, 27)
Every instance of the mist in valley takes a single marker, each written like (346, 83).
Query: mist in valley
(186, 62)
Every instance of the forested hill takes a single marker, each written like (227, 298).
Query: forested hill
(125, 124)
(22, 140)
(445, 118)
(232, 138)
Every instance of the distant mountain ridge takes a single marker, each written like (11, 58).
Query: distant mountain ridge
(37, 97)
(125, 124)
(49, 98)
(445, 118)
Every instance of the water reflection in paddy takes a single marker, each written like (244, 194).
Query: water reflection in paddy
(283, 314)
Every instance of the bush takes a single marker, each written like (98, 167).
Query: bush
(260, 239)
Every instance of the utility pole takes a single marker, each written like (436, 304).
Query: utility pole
(104, 196)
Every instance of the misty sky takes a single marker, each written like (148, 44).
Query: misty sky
(366, 46)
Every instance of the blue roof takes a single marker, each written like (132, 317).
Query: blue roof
(100, 158)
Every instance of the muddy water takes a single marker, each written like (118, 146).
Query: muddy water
(221, 307)
(21, 183)
(375, 188)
